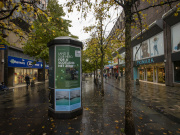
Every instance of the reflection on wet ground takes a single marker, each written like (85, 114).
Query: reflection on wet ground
(25, 111)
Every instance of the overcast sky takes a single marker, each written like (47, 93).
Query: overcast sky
(78, 24)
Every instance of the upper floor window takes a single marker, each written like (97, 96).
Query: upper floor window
(175, 37)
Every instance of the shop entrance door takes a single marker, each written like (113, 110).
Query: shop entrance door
(161, 75)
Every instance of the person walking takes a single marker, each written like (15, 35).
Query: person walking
(116, 75)
(27, 79)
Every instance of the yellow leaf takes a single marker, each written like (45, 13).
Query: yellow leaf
(43, 126)
(176, 14)
(61, 20)
(117, 127)
(32, 26)
(1, 5)
(139, 130)
(86, 109)
(140, 118)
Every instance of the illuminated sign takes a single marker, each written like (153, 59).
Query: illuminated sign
(146, 61)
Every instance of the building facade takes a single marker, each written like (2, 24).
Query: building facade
(14, 64)
(156, 52)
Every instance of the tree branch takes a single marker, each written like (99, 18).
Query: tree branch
(169, 2)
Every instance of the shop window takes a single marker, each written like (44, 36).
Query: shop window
(175, 37)
(141, 74)
(157, 45)
(136, 53)
(35, 74)
(150, 74)
(145, 51)
(177, 71)
(18, 76)
(161, 75)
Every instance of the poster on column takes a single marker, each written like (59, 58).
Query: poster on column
(68, 78)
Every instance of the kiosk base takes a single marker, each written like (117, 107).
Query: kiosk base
(64, 115)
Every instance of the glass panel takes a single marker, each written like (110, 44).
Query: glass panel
(150, 74)
(135, 49)
(157, 45)
(18, 76)
(141, 74)
(177, 71)
(35, 74)
(155, 74)
(145, 51)
(175, 37)
(161, 75)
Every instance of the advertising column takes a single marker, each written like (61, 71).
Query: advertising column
(67, 78)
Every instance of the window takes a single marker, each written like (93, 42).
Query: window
(177, 71)
(175, 37)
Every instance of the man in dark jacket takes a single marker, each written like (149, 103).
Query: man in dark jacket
(27, 79)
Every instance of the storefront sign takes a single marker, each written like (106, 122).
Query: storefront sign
(146, 61)
(67, 78)
(24, 63)
(3, 47)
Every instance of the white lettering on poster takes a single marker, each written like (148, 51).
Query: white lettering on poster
(63, 60)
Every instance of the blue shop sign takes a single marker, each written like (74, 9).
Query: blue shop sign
(24, 63)
(3, 47)
(146, 61)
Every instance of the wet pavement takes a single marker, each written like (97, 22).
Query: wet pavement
(25, 112)
(163, 99)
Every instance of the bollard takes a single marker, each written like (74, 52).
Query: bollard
(137, 81)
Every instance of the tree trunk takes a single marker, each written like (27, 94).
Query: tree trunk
(118, 69)
(43, 76)
(96, 74)
(129, 121)
(102, 81)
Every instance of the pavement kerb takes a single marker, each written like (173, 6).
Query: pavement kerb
(170, 116)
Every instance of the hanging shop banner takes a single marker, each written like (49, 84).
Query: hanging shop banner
(24, 63)
(67, 78)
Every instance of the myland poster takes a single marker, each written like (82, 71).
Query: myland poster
(67, 78)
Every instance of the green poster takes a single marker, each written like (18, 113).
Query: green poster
(67, 67)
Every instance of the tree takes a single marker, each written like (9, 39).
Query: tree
(14, 14)
(129, 8)
(45, 29)
(103, 43)
(93, 54)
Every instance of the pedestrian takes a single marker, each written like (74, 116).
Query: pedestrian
(3, 86)
(27, 79)
(116, 75)
(105, 76)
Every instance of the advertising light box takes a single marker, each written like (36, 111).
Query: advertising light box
(67, 78)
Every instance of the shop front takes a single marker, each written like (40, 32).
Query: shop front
(151, 70)
(19, 67)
